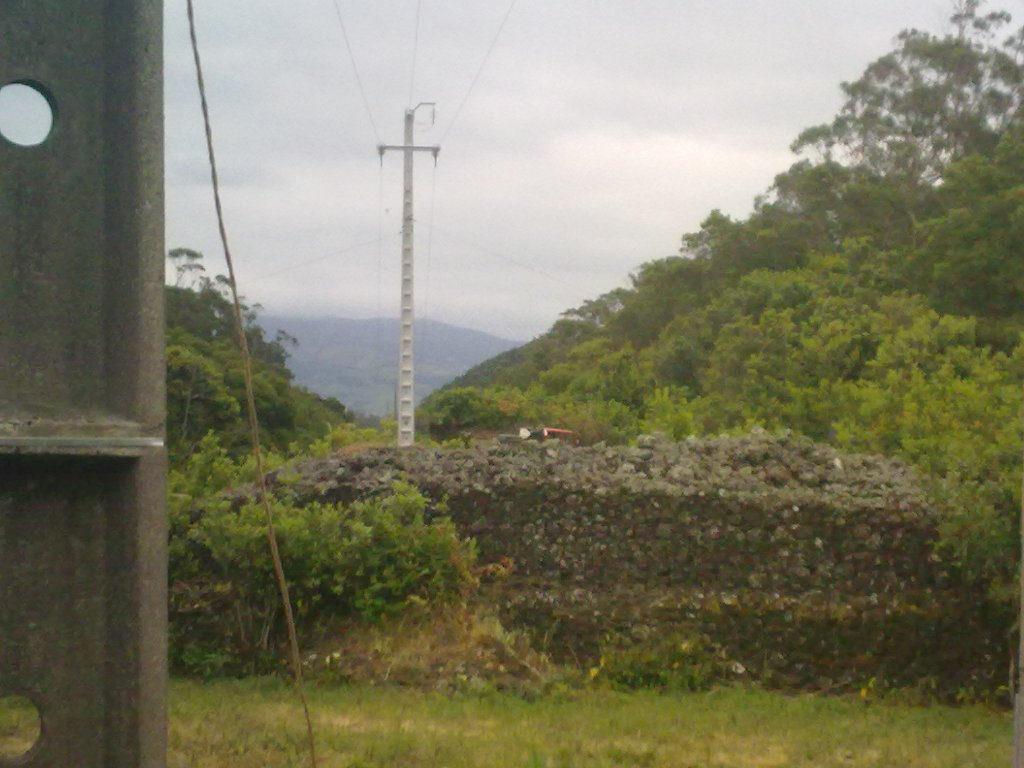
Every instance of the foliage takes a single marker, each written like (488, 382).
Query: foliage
(367, 560)
(459, 649)
(671, 663)
(350, 436)
(668, 412)
(462, 407)
(970, 261)
(205, 384)
(872, 298)
(931, 100)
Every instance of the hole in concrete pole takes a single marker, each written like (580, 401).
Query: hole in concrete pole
(26, 114)
(20, 727)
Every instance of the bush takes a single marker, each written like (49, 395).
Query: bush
(366, 560)
(463, 408)
(673, 663)
(593, 421)
(348, 435)
(457, 649)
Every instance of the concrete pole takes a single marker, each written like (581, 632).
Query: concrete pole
(83, 530)
(406, 398)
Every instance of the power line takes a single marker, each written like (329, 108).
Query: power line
(415, 49)
(380, 247)
(430, 250)
(430, 237)
(498, 255)
(355, 70)
(306, 263)
(479, 71)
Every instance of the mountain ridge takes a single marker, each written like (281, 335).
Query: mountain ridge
(355, 359)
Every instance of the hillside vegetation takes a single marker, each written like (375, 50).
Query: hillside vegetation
(874, 299)
(205, 386)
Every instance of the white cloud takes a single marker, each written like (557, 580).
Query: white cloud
(598, 134)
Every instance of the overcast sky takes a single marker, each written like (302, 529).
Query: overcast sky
(599, 132)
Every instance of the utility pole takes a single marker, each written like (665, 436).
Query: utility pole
(83, 532)
(406, 400)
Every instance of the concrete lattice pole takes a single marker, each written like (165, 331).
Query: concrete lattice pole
(406, 401)
(406, 374)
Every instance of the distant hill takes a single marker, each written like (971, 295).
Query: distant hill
(355, 360)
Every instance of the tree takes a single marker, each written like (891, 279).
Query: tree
(970, 262)
(930, 101)
(205, 384)
(188, 268)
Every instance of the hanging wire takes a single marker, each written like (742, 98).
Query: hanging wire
(380, 257)
(317, 259)
(504, 257)
(430, 250)
(415, 49)
(250, 401)
(479, 71)
(355, 71)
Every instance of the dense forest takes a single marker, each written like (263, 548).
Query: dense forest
(873, 299)
(205, 387)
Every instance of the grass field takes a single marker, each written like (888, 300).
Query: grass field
(256, 724)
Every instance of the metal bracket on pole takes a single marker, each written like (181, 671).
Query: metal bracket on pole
(83, 537)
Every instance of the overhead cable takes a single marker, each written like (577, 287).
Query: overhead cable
(484, 250)
(316, 259)
(479, 71)
(355, 71)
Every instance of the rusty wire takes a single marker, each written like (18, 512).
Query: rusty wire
(250, 401)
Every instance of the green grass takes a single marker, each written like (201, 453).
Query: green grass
(257, 724)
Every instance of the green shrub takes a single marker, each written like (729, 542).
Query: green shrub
(367, 560)
(346, 435)
(672, 663)
(452, 410)
(669, 412)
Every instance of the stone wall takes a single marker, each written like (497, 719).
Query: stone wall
(805, 566)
